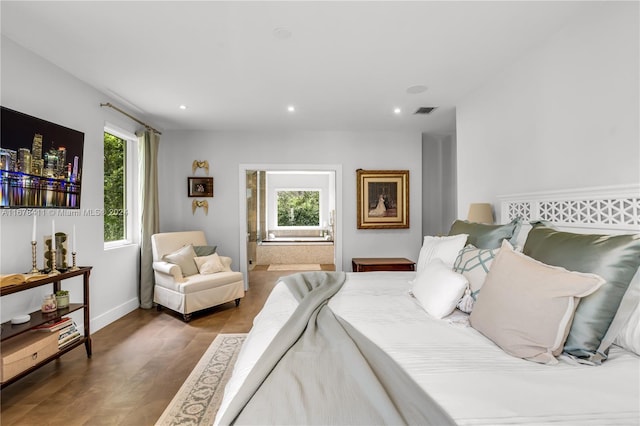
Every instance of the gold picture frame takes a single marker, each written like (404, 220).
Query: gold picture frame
(383, 199)
(200, 186)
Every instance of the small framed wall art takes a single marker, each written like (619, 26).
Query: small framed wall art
(383, 199)
(200, 186)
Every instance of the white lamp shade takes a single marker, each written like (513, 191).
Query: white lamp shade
(481, 213)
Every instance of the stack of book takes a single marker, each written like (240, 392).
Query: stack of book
(66, 329)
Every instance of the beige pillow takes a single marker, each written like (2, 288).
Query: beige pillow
(184, 259)
(209, 264)
(526, 307)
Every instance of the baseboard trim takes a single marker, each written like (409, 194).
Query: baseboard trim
(113, 314)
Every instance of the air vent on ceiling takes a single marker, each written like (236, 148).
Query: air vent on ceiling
(425, 110)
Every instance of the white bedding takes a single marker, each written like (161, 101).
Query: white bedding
(469, 376)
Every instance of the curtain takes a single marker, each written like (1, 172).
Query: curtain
(148, 142)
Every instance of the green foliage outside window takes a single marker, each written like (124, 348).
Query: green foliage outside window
(298, 208)
(114, 187)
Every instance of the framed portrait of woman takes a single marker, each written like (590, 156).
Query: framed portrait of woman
(383, 199)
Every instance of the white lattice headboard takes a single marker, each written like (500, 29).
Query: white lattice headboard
(613, 209)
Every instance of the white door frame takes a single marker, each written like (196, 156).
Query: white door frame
(244, 234)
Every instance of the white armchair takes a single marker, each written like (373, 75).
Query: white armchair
(188, 294)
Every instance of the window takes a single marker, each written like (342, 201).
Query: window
(119, 178)
(115, 194)
(299, 208)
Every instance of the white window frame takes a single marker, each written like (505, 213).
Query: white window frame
(131, 182)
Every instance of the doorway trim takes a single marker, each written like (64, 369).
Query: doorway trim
(244, 234)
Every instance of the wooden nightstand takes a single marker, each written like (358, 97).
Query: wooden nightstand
(369, 264)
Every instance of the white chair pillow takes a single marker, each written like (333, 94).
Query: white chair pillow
(209, 264)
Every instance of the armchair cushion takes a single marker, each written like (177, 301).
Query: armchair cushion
(209, 264)
(184, 258)
(198, 282)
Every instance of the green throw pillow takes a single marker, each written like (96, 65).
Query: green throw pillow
(614, 257)
(485, 236)
(204, 250)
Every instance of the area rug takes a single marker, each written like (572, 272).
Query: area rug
(295, 267)
(199, 398)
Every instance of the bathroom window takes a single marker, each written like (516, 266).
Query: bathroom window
(298, 208)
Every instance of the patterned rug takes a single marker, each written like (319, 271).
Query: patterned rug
(199, 398)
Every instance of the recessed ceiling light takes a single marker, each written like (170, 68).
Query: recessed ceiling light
(414, 90)
(182, 107)
(291, 108)
(397, 110)
(281, 33)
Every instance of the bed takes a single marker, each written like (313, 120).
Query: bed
(476, 379)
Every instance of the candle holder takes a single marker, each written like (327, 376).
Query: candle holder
(34, 261)
(54, 270)
(73, 262)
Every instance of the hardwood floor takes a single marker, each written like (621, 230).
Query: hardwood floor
(139, 362)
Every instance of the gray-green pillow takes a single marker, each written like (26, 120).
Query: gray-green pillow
(485, 236)
(184, 258)
(204, 250)
(614, 257)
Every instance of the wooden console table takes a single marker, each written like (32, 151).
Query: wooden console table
(369, 264)
(38, 317)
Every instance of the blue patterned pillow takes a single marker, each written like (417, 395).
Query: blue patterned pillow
(474, 264)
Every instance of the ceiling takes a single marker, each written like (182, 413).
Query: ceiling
(239, 65)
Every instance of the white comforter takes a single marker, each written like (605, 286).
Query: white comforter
(469, 376)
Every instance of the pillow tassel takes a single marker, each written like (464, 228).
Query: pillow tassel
(466, 303)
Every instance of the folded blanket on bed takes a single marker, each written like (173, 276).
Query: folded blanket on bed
(320, 370)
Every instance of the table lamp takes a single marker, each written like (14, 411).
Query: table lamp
(481, 213)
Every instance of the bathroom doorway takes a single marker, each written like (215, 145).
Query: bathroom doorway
(289, 217)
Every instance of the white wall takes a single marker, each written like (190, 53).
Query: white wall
(225, 151)
(34, 86)
(564, 116)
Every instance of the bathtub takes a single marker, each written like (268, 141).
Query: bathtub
(292, 239)
(295, 250)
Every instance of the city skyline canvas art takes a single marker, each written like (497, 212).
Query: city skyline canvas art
(40, 163)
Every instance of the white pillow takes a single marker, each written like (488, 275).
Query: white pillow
(438, 289)
(443, 248)
(629, 337)
(209, 264)
(626, 323)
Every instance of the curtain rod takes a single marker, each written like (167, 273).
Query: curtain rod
(110, 105)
